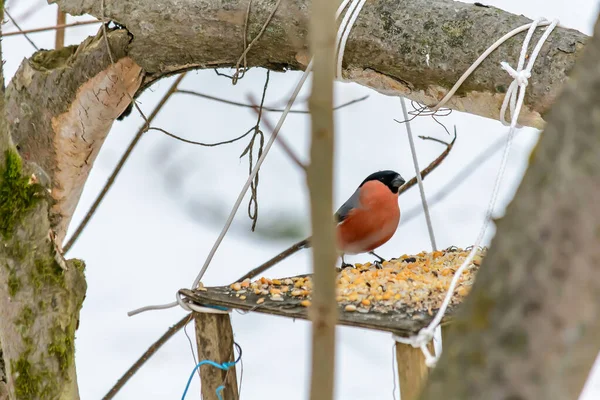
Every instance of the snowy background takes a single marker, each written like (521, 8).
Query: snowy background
(153, 231)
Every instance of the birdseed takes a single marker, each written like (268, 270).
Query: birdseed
(418, 282)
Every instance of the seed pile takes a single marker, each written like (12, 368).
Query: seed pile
(417, 282)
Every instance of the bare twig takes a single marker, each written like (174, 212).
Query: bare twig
(440, 141)
(323, 313)
(21, 30)
(434, 164)
(265, 108)
(152, 128)
(61, 19)
(253, 202)
(239, 73)
(122, 161)
(288, 150)
(51, 28)
(423, 110)
(147, 354)
(275, 260)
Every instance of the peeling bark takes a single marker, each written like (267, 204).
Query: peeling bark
(60, 107)
(386, 51)
(529, 328)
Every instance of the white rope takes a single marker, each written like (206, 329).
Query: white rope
(413, 151)
(240, 198)
(344, 32)
(514, 97)
(497, 43)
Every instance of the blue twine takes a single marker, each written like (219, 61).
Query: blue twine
(219, 390)
(224, 366)
(215, 307)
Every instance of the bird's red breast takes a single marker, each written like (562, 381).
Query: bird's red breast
(372, 223)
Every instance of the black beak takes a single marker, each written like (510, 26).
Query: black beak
(398, 181)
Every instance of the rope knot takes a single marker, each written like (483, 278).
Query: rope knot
(424, 336)
(521, 77)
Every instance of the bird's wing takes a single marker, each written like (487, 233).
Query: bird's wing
(350, 204)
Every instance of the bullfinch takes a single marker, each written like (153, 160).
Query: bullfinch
(370, 217)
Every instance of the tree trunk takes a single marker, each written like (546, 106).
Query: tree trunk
(414, 48)
(59, 107)
(529, 329)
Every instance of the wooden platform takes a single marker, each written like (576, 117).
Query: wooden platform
(402, 321)
(407, 277)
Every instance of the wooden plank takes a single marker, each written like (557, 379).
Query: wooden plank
(412, 371)
(214, 338)
(403, 321)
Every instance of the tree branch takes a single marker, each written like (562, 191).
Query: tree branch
(386, 50)
(529, 328)
(50, 28)
(113, 176)
(81, 94)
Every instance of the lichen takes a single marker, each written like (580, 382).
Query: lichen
(42, 305)
(27, 383)
(46, 60)
(46, 271)
(34, 379)
(78, 264)
(16, 251)
(25, 321)
(456, 31)
(62, 348)
(14, 284)
(17, 194)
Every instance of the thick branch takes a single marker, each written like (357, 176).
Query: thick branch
(60, 107)
(416, 48)
(529, 330)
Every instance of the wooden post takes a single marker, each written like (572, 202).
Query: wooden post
(412, 371)
(61, 19)
(214, 338)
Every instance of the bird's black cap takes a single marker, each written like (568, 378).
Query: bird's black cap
(391, 179)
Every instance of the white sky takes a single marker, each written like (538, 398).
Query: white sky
(151, 234)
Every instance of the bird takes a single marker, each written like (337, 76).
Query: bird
(370, 217)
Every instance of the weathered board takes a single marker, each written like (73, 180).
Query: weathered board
(401, 321)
